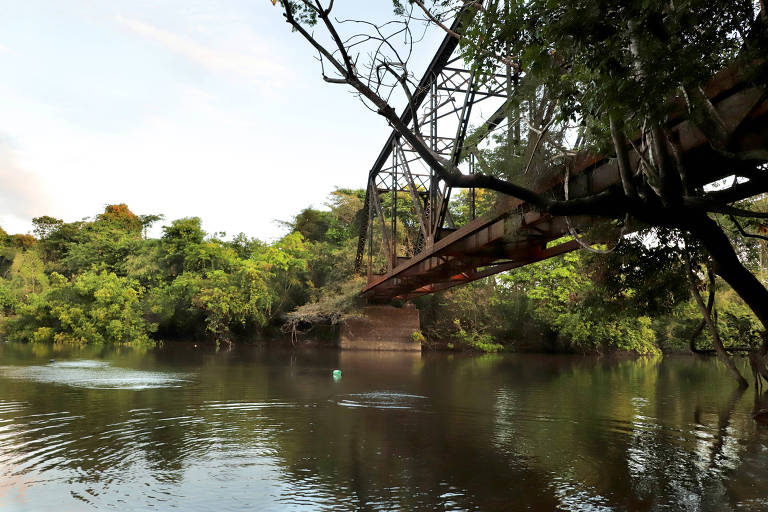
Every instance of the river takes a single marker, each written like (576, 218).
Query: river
(187, 428)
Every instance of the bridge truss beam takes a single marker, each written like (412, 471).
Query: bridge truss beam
(408, 206)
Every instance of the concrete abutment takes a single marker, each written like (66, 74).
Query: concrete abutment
(382, 328)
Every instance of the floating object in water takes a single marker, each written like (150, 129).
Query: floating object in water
(336, 374)
(51, 361)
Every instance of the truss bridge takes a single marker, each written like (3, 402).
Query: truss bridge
(413, 217)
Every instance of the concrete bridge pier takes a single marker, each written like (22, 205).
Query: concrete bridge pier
(382, 328)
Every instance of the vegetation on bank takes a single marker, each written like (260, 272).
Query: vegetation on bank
(606, 78)
(635, 299)
(102, 281)
(587, 77)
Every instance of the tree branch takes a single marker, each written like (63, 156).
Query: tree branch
(436, 21)
(625, 169)
(706, 117)
(508, 60)
(744, 233)
(402, 79)
(320, 48)
(714, 207)
(737, 192)
(716, 341)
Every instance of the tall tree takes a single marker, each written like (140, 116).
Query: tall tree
(611, 75)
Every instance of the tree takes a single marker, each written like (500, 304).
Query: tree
(120, 215)
(286, 262)
(177, 238)
(226, 300)
(95, 308)
(312, 224)
(612, 74)
(45, 226)
(22, 241)
(148, 220)
(561, 287)
(104, 243)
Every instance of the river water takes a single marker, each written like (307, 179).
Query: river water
(187, 428)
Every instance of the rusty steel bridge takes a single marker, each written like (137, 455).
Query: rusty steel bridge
(433, 252)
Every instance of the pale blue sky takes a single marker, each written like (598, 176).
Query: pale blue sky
(179, 107)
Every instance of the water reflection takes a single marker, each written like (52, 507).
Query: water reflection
(271, 429)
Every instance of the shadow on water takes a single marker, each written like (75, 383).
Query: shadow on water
(254, 427)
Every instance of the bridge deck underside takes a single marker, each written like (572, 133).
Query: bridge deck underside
(516, 235)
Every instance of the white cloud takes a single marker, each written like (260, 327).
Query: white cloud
(255, 65)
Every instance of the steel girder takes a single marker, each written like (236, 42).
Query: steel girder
(435, 256)
(443, 102)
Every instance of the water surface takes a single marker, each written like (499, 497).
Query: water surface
(187, 428)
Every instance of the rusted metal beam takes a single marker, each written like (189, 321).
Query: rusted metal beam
(494, 236)
(384, 233)
(514, 230)
(423, 221)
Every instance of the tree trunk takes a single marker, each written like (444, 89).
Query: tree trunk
(699, 328)
(728, 266)
(758, 365)
(716, 341)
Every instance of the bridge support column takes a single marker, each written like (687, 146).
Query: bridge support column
(382, 328)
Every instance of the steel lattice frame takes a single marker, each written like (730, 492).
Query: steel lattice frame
(444, 102)
(513, 234)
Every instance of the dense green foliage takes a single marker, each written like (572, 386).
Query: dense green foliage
(635, 299)
(101, 281)
(94, 307)
(628, 58)
(560, 288)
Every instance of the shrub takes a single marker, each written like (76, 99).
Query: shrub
(94, 308)
(418, 337)
(476, 340)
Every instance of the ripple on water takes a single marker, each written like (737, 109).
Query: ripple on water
(79, 364)
(94, 375)
(239, 406)
(11, 407)
(381, 400)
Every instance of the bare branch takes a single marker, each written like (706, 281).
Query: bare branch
(535, 147)
(403, 80)
(738, 191)
(716, 341)
(715, 207)
(301, 30)
(744, 233)
(335, 36)
(436, 21)
(506, 60)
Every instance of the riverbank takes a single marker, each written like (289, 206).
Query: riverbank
(101, 281)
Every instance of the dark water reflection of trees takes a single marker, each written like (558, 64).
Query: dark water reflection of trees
(270, 429)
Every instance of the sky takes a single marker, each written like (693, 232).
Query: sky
(208, 108)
